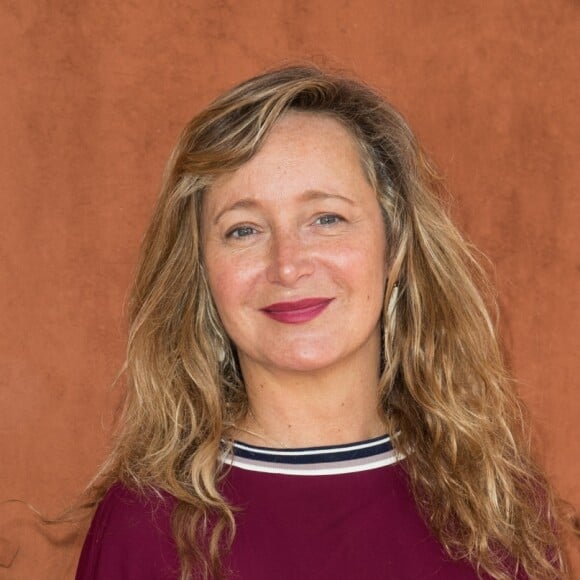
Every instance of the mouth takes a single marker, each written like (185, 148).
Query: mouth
(298, 311)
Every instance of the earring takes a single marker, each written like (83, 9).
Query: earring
(393, 300)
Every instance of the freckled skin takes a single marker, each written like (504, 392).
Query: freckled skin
(299, 220)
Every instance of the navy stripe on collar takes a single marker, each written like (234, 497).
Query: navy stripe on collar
(326, 460)
(309, 455)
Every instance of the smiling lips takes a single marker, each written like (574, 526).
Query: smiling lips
(298, 311)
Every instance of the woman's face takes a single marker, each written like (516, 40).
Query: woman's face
(294, 246)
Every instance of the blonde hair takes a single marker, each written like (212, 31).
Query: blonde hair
(443, 385)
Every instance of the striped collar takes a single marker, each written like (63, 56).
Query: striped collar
(329, 460)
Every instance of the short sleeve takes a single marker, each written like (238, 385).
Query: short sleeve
(130, 539)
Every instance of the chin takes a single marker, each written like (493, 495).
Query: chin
(309, 361)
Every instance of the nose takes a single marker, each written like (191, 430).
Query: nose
(289, 258)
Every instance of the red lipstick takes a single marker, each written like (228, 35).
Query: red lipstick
(298, 311)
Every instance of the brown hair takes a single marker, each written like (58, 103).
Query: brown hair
(443, 386)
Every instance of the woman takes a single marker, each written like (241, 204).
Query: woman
(302, 294)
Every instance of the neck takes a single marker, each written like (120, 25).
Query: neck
(307, 409)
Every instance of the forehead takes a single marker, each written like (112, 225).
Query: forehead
(299, 133)
(303, 151)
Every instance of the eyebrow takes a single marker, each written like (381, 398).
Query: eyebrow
(310, 195)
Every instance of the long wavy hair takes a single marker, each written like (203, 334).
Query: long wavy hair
(443, 387)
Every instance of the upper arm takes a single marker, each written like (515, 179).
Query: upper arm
(130, 539)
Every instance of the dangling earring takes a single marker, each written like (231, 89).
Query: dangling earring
(393, 300)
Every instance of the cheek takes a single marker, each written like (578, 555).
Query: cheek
(368, 276)
(230, 282)
(363, 265)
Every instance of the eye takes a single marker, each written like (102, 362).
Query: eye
(241, 232)
(329, 219)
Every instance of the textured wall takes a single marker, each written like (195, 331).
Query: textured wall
(92, 96)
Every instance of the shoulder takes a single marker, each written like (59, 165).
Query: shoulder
(130, 538)
(129, 508)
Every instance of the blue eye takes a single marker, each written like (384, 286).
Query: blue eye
(328, 219)
(241, 232)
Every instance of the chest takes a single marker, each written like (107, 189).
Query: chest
(346, 526)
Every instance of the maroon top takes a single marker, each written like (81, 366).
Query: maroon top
(341, 512)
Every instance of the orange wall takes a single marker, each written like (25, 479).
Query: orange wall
(92, 96)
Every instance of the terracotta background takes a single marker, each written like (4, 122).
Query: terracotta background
(92, 97)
